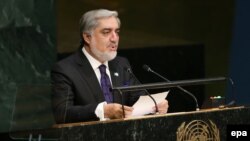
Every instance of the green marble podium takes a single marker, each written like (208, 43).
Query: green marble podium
(210, 124)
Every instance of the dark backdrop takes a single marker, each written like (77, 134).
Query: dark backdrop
(175, 63)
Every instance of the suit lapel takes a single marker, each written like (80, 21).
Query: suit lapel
(89, 76)
(114, 74)
(116, 78)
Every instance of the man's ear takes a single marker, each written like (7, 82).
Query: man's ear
(86, 37)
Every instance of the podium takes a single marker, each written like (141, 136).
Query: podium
(206, 124)
(176, 126)
(210, 124)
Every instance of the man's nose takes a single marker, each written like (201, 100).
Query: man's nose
(114, 36)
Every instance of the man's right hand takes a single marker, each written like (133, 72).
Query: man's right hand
(114, 111)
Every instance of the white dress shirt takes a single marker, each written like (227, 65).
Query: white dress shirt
(99, 111)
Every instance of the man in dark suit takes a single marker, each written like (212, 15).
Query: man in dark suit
(81, 83)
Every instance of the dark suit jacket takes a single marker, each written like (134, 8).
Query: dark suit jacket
(76, 92)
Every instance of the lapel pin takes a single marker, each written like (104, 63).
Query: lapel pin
(116, 74)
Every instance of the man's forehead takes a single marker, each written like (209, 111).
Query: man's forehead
(108, 23)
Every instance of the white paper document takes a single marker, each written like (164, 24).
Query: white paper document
(144, 105)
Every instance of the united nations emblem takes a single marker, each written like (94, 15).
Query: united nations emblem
(198, 130)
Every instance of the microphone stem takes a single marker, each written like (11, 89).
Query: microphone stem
(184, 90)
(156, 107)
(233, 94)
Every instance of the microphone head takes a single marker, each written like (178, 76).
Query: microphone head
(146, 67)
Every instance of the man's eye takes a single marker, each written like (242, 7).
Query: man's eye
(105, 32)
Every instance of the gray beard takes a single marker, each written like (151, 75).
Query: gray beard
(103, 56)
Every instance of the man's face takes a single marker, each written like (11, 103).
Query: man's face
(103, 42)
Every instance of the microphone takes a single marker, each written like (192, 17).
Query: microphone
(127, 69)
(233, 101)
(148, 69)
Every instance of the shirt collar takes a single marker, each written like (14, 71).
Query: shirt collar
(93, 62)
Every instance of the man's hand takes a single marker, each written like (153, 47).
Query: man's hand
(114, 111)
(162, 107)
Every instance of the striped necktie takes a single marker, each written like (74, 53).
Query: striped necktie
(105, 84)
